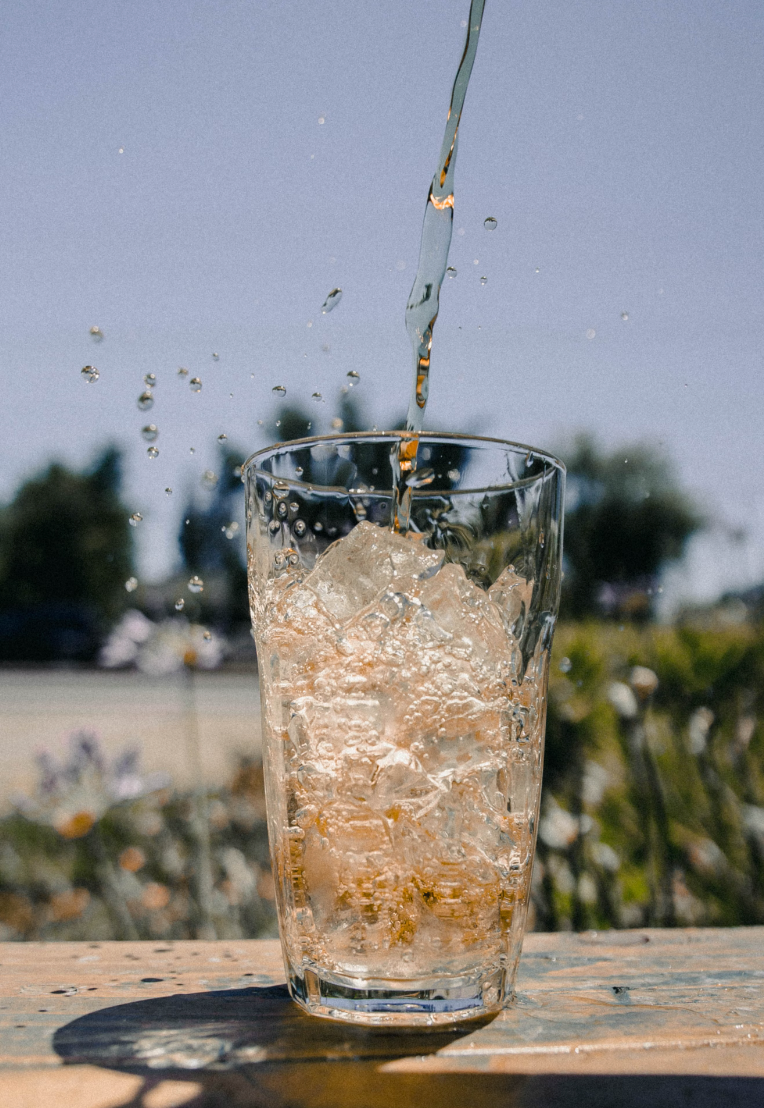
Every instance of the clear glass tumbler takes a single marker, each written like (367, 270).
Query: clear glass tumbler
(403, 686)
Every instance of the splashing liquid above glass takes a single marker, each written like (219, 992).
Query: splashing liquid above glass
(424, 299)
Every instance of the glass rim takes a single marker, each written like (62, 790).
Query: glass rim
(382, 436)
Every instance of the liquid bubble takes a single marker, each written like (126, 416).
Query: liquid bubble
(153, 452)
(90, 373)
(354, 375)
(451, 271)
(131, 584)
(150, 432)
(299, 527)
(215, 357)
(222, 437)
(195, 384)
(209, 479)
(96, 333)
(149, 380)
(280, 390)
(331, 301)
(566, 665)
(490, 223)
(624, 316)
(282, 509)
(294, 506)
(299, 471)
(483, 280)
(274, 526)
(180, 605)
(135, 519)
(168, 491)
(195, 584)
(182, 371)
(145, 400)
(318, 398)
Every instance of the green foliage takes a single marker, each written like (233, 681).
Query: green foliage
(626, 519)
(65, 554)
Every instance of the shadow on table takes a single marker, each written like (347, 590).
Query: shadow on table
(254, 1048)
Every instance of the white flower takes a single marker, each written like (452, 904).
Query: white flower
(158, 649)
(623, 700)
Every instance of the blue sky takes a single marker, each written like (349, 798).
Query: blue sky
(618, 145)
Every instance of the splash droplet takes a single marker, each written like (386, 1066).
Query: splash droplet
(318, 399)
(354, 375)
(490, 223)
(135, 519)
(299, 527)
(90, 373)
(590, 334)
(331, 301)
(337, 424)
(206, 635)
(195, 384)
(454, 474)
(209, 479)
(195, 584)
(274, 526)
(624, 316)
(149, 380)
(192, 450)
(231, 530)
(168, 491)
(279, 390)
(222, 437)
(96, 333)
(153, 452)
(451, 271)
(131, 584)
(566, 665)
(182, 371)
(483, 280)
(299, 471)
(318, 526)
(150, 432)
(145, 400)
(215, 356)
(180, 605)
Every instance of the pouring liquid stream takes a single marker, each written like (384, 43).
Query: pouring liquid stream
(424, 299)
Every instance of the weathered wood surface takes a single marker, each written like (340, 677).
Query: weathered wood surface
(627, 1018)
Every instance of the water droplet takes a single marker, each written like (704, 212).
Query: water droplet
(168, 491)
(195, 384)
(222, 437)
(451, 271)
(207, 635)
(454, 474)
(280, 390)
(294, 559)
(283, 509)
(96, 333)
(149, 380)
(90, 373)
(182, 371)
(354, 375)
(146, 400)
(309, 323)
(299, 527)
(192, 450)
(624, 316)
(294, 506)
(321, 119)
(318, 398)
(566, 665)
(308, 426)
(259, 423)
(180, 605)
(299, 471)
(215, 357)
(318, 526)
(274, 526)
(591, 333)
(490, 223)
(131, 584)
(337, 424)
(135, 519)
(538, 271)
(268, 497)
(196, 584)
(278, 422)
(150, 432)
(331, 301)
(153, 452)
(483, 280)
(231, 529)
(209, 479)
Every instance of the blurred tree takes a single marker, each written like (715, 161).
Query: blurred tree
(626, 518)
(65, 553)
(212, 544)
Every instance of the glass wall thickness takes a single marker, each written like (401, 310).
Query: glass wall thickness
(403, 689)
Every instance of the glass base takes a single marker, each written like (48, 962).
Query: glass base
(397, 1003)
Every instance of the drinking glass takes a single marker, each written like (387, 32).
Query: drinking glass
(403, 687)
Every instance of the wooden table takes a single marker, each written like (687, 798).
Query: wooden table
(616, 1019)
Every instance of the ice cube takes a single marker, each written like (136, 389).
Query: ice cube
(466, 614)
(359, 567)
(512, 596)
